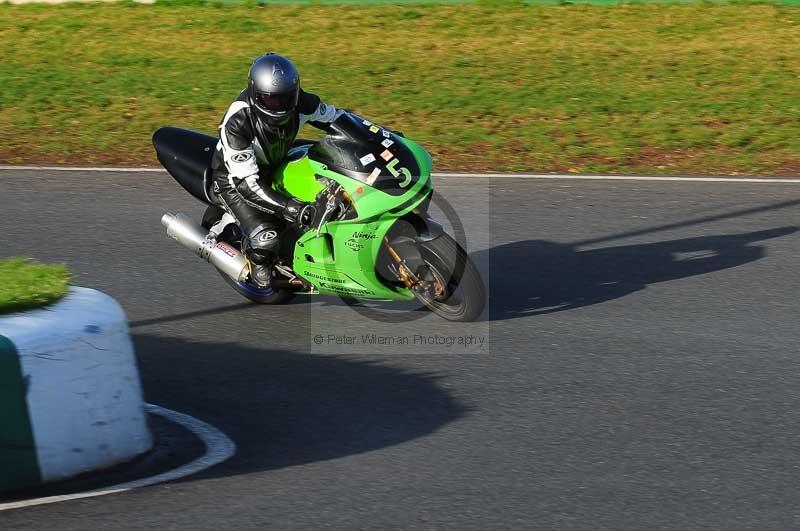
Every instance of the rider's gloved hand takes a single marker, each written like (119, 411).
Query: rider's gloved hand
(299, 212)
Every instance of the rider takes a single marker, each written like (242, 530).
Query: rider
(255, 136)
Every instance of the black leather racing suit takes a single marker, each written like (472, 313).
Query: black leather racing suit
(247, 153)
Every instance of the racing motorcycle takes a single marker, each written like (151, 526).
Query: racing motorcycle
(371, 237)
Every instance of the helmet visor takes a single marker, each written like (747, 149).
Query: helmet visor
(277, 103)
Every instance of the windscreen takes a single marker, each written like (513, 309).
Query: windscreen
(359, 149)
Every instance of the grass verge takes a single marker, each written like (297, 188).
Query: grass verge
(25, 284)
(632, 88)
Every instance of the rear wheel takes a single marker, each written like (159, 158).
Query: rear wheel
(247, 289)
(260, 296)
(457, 290)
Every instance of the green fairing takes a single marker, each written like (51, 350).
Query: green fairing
(296, 179)
(341, 260)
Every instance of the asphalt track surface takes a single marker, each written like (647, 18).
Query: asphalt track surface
(640, 368)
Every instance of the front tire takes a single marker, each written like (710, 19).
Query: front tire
(464, 297)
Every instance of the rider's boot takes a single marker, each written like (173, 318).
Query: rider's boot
(261, 275)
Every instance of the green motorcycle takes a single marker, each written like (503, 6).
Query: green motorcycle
(372, 237)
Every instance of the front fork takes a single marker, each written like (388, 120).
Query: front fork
(432, 283)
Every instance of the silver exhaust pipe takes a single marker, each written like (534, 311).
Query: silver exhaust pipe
(219, 254)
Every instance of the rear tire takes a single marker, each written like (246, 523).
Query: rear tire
(259, 296)
(465, 296)
(247, 290)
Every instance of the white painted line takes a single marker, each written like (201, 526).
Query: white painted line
(565, 176)
(619, 177)
(219, 448)
(82, 168)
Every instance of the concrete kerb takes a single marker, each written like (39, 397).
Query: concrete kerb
(70, 390)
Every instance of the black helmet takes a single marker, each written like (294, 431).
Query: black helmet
(273, 88)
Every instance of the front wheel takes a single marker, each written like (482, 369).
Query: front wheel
(461, 293)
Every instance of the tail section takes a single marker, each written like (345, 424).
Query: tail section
(186, 155)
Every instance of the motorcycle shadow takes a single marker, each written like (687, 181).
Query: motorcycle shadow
(284, 408)
(536, 277)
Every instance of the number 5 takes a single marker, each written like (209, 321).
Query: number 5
(397, 171)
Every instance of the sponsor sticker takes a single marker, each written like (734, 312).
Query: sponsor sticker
(225, 248)
(386, 155)
(320, 277)
(366, 122)
(344, 290)
(374, 129)
(386, 143)
(369, 158)
(354, 245)
(373, 176)
(385, 133)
